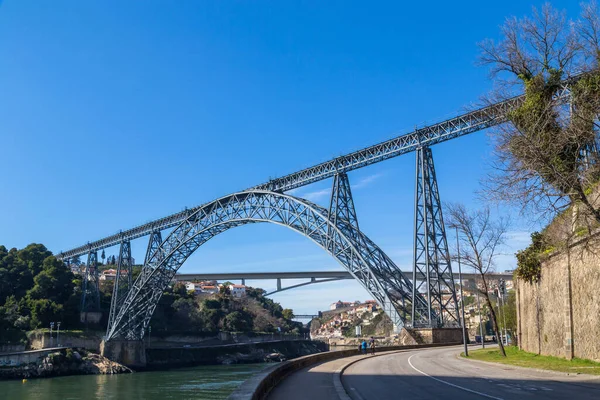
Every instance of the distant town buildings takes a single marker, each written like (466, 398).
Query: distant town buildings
(212, 287)
(343, 304)
(350, 312)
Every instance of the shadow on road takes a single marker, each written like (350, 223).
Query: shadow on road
(379, 386)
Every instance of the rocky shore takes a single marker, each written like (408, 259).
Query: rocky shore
(65, 362)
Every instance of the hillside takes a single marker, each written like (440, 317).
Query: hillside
(342, 322)
(37, 289)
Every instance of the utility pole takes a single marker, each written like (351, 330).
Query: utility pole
(462, 299)
(480, 323)
(503, 288)
(500, 339)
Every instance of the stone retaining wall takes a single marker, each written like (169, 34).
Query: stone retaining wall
(560, 314)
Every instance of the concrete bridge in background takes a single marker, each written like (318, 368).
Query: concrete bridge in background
(313, 276)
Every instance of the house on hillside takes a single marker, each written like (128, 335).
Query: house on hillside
(111, 274)
(238, 290)
(211, 289)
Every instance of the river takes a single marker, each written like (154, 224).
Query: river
(206, 382)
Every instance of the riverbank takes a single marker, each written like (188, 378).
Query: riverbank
(62, 363)
(162, 358)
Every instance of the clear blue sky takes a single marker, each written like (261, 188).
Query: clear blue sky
(113, 113)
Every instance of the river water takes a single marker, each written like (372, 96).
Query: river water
(206, 382)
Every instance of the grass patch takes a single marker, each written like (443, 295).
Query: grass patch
(521, 358)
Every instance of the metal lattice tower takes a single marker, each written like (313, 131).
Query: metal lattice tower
(153, 244)
(123, 280)
(343, 215)
(90, 296)
(431, 255)
(341, 207)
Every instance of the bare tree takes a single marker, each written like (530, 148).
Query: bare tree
(546, 157)
(481, 238)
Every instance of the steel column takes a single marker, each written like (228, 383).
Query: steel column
(153, 244)
(123, 280)
(431, 255)
(90, 293)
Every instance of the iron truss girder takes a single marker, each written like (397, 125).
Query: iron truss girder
(431, 255)
(123, 279)
(90, 294)
(367, 264)
(452, 128)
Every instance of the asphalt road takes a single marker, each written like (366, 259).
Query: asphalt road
(439, 374)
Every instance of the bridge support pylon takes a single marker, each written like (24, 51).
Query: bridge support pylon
(131, 353)
(90, 293)
(431, 255)
(342, 214)
(153, 244)
(123, 280)
(341, 207)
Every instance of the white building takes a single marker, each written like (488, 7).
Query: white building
(209, 289)
(237, 290)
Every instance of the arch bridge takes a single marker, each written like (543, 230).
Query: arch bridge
(430, 302)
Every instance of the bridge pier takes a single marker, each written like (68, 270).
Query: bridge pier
(436, 335)
(131, 353)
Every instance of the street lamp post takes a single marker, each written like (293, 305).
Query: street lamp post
(480, 322)
(58, 334)
(462, 299)
(499, 304)
(51, 340)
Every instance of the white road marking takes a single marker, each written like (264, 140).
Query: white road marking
(355, 392)
(450, 384)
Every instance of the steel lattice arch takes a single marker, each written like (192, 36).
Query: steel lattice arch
(360, 256)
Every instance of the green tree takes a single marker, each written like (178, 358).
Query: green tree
(54, 282)
(33, 256)
(44, 311)
(287, 313)
(15, 276)
(238, 321)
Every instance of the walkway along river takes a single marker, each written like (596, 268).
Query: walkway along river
(205, 382)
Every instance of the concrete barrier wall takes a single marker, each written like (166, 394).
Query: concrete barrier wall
(11, 348)
(40, 340)
(25, 357)
(258, 387)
